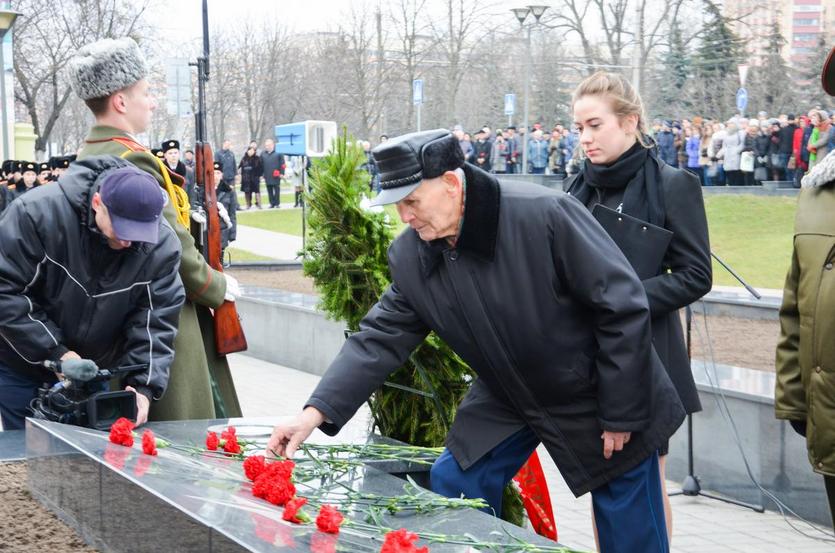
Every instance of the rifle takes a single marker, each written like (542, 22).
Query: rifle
(229, 336)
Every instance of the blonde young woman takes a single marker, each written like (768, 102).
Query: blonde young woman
(622, 172)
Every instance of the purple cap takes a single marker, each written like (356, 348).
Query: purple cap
(134, 201)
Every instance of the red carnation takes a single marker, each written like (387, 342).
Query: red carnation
(293, 512)
(261, 486)
(280, 492)
(121, 433)
(329, 519)
(281, 469)
(323, 543)
(277, 491)
(149, 443)
(402, 541)
(254, 466)
(212, 441)
(231, 444)
(229, 432)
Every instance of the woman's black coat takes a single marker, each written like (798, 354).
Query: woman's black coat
(251, 172)
(685, 277)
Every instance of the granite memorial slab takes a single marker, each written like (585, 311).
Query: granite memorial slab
(120, 499)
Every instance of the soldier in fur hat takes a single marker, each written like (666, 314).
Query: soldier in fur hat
(60, 166)
(171, 155)
(44, 174)
(110, 76)
(29, 178)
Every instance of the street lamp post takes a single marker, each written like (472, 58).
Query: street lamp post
(7, 19)
(521, 15)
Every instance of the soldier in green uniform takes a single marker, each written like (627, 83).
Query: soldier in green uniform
(109, 75)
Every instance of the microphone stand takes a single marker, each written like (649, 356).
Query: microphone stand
(691, 486)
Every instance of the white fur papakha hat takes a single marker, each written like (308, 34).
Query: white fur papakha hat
(106, 66)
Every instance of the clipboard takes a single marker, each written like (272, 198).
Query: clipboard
(642, 243)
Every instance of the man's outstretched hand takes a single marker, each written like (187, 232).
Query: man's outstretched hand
(288, 436)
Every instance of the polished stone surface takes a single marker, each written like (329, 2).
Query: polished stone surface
(274, 295)
(740, 449)
(122, 500)
(734, 381)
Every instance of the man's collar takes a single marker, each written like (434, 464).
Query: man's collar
(481, 222)
(103, 132)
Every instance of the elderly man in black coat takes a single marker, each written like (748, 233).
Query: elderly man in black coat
(531, 292)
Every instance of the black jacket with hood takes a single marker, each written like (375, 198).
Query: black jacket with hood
(62, 287)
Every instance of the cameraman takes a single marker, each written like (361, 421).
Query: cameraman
(88, 269)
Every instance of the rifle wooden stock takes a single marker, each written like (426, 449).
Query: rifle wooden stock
(229, 336)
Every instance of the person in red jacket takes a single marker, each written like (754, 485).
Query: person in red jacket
(801, 166)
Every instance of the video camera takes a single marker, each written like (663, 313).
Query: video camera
(86, 402)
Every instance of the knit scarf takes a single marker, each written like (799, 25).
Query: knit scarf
(639, 171)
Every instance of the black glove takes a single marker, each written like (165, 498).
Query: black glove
(799, 427)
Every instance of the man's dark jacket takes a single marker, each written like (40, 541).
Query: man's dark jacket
(272, 162)
(481, 152)
(541, 303)
(227, 163)
(63, 288)
(667, 148)
(786, 137)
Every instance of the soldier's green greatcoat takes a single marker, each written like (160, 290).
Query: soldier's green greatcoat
(189, 394)
(805, 389)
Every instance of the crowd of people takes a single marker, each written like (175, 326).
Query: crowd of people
(737, 152)
(744, 152)
(18, 177)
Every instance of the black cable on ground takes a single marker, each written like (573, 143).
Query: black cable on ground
(724, 410)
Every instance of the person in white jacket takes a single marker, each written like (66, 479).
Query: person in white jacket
(730, 153)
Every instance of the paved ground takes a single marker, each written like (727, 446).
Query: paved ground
(268, 243)
(700, 525)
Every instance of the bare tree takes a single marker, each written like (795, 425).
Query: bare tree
(625, 25)
(571, 20)
(223, 92)
(412, 33)
(259, 54)
(457, 40)
(365, 84)
(47, 36)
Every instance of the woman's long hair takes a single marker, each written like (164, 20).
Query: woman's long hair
(624, 99)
